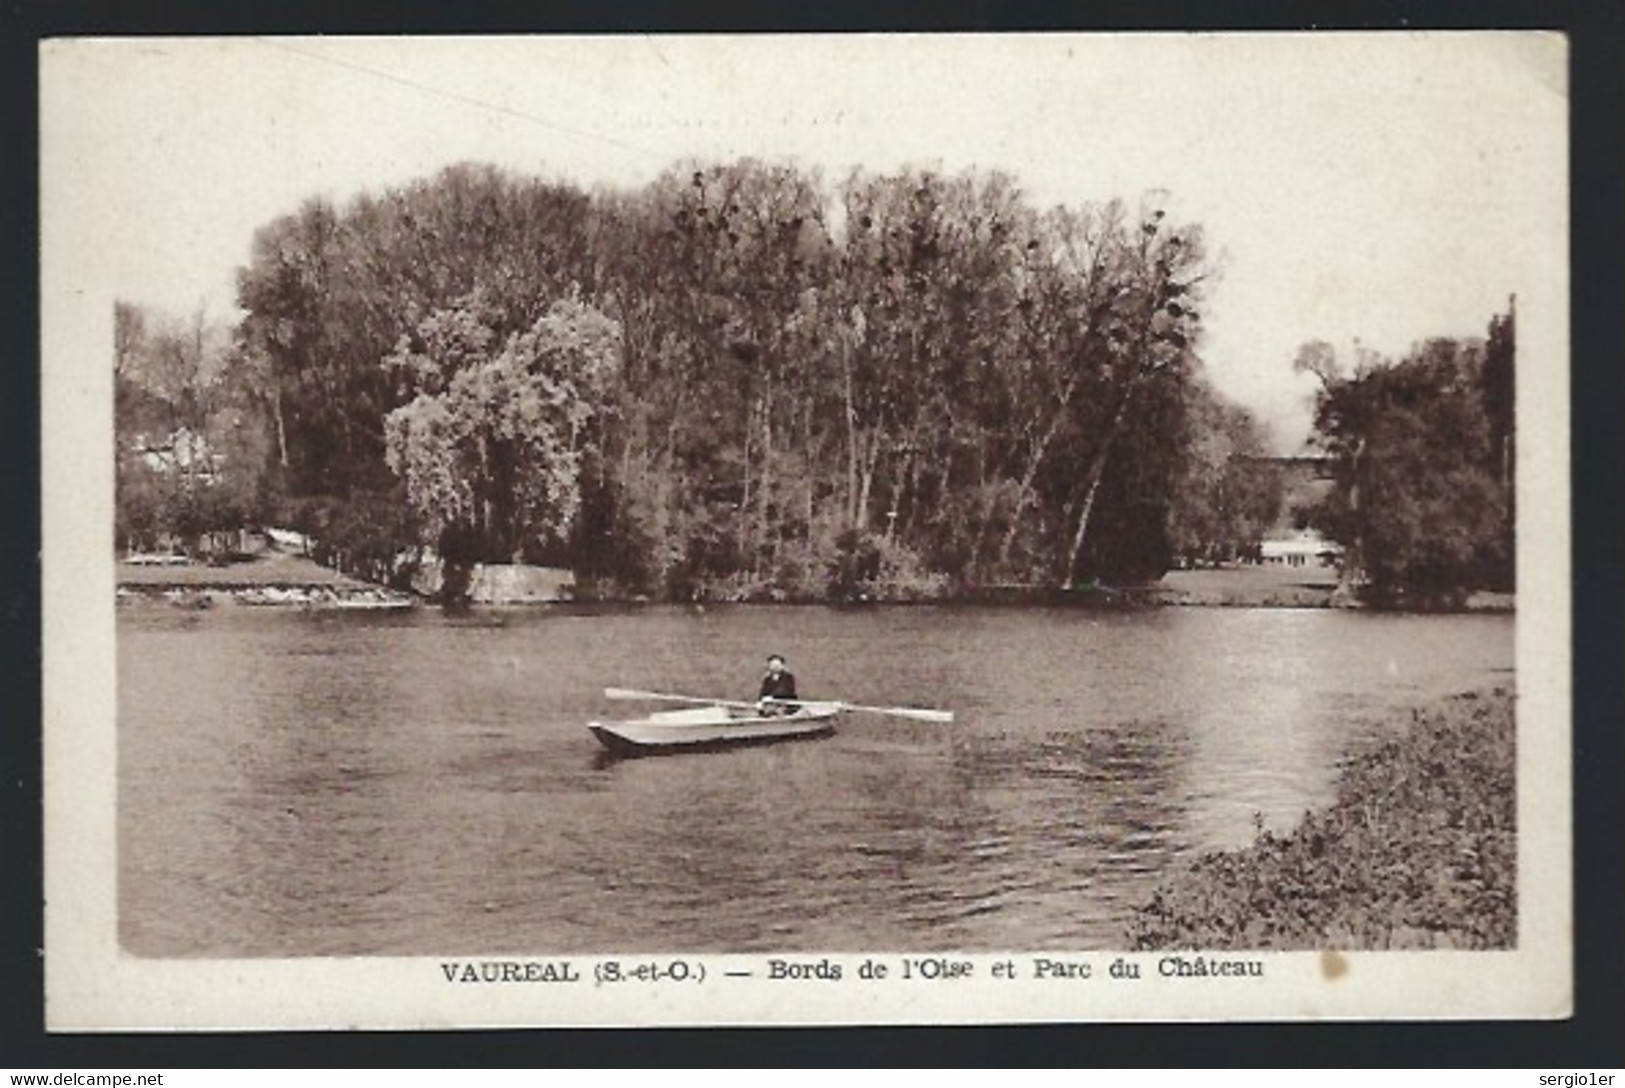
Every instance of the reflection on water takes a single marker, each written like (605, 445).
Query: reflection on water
(301, 784)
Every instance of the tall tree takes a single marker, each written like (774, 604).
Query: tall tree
(1415, 433)
(1155, 320)
(330, 291)
(489, 446)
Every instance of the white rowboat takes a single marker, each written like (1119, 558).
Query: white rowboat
(708, 728)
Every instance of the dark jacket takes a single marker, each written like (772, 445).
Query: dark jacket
(782, 687)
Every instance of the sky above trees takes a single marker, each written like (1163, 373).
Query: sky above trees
(1382, 187)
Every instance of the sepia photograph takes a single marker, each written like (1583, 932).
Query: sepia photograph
(835, 529)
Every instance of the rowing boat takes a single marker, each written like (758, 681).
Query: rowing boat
(708, 728)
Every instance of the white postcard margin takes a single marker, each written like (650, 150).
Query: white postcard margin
(93, 985)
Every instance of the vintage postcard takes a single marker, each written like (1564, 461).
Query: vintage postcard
(853, 529)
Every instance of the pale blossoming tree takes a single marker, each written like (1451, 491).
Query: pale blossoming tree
(489, 447)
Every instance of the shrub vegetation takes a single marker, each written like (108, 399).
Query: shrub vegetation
(1418, 851)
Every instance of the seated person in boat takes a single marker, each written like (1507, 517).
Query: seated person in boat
(778, 692)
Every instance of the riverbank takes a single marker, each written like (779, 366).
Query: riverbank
(1246, 586)
(1236, 585)
(1268, 586)
(281, 578)
(273, 578)
(1418, 851)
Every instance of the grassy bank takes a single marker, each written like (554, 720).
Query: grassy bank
(1418, 851)
(1249, 586)
(272, 569)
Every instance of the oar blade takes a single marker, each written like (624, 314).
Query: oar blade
(920, 714)
(627, 693)
(917, 713)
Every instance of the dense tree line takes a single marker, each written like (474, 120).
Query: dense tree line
(1424, 447)
(739, 381)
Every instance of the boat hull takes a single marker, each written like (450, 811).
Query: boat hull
(711, 729)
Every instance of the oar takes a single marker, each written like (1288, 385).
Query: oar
(628, 693)
(917, 713)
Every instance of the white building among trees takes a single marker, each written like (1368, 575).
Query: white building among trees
(1303, 548)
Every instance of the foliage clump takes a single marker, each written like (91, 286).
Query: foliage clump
(489, 445)
(193, 443)
(1423, 455)
(1418, 851)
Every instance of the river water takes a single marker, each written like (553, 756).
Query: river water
(297, 783)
